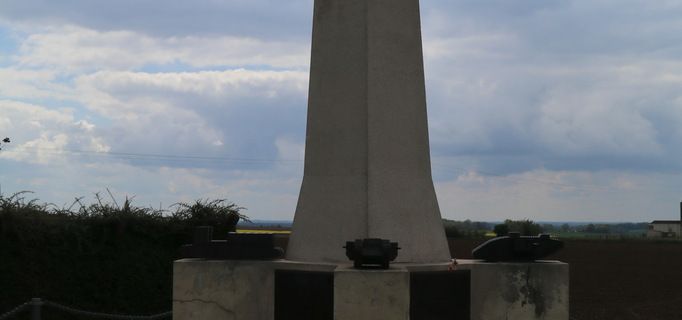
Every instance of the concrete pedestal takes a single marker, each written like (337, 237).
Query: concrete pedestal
(371, 294)
(246, 290)
(223, 290)
(514, 290)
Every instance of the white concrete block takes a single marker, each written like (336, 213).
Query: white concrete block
(518, 291)
(239, 290)
(371, 294)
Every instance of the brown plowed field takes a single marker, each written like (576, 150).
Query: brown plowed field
(623, 280)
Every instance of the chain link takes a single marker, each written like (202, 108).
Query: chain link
(14, 311)
(105, 315)
(75, 311)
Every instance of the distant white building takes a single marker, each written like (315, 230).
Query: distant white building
(664, 229)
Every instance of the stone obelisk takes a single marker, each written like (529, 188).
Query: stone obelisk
(367, 165)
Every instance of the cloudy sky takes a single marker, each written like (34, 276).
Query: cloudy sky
(559, 110)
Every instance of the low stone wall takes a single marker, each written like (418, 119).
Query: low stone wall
(246, 290)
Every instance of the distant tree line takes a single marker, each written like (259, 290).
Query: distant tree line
(466, 228)
(599, 228)
(526, 227)
(478, 229)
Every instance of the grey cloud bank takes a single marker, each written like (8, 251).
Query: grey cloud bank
(270, 19)
(562, 85)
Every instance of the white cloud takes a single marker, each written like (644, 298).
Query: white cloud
(573, 114)
(31, 84)
(228, 85)
(595, 123)
(74, 49)
(195, 112)
(41, 135)
(255, 18)
(290, 149)
(266, 194)
(560, 196)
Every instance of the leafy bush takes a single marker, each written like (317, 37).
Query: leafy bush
(219, 213)
(451, 231)
(465, 229)
(103, 256)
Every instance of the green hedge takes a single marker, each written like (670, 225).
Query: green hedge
(102, 257)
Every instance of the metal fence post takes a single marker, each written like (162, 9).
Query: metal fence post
(36, 306)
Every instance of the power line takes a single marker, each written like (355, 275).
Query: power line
(175, 158)
(539, 181)
(149, 156)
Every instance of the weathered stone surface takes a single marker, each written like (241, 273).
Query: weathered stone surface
(239, 290)
(371, 294)
(245, 289)
(367, 167)
(510, 290)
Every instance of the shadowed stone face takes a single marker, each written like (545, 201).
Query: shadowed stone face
(514, 290)
(367, 167)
